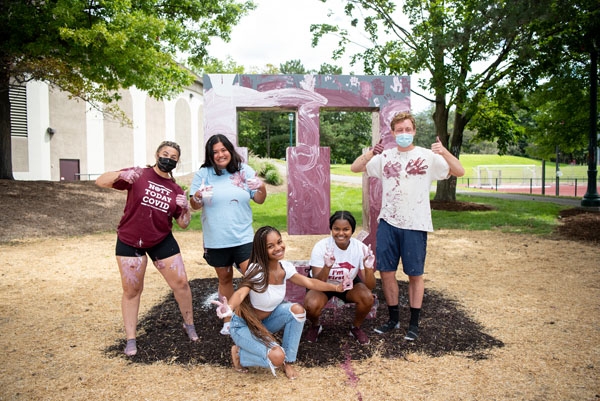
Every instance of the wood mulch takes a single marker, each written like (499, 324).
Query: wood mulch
(505, 316)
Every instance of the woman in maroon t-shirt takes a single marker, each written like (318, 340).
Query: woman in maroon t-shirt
(153, 201)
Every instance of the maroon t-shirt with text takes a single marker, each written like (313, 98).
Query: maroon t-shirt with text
(149, 210)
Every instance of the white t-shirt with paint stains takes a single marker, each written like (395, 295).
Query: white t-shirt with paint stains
(349, 259)
(406, 179)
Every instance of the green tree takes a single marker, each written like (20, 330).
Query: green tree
(447, 39)
(500, 119)
(570, 44)
(345, 133)
(293, 67)
(213, 65)
(93, 48)
(326, 68)
(558, 116)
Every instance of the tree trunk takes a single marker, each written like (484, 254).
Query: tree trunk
(446, 189)
(5, 146)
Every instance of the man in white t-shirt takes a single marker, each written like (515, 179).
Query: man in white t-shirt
(406, 173)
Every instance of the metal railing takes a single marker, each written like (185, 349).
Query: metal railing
(559, 186)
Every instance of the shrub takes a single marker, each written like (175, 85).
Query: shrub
(257, 164)
(273, 177)
(266, 170)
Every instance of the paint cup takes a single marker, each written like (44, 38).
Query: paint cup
(207, 194)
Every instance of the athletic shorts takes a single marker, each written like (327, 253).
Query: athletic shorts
(395, 244)
(225, 257)
(163, 250)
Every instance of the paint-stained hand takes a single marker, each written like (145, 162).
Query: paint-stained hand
(131, 174)
(377, 149)
(437, 146)
(182, 201)
(369, 260)
(223, 308)
(203, 193)
(328, 257)
(254, 183)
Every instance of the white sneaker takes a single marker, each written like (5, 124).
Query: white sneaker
(225, 329)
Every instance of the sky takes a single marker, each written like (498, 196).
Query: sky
(279, 30)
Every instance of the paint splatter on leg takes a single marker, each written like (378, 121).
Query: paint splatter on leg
(131, 268)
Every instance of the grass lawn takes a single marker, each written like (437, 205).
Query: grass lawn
(470, 162)
(508, 215)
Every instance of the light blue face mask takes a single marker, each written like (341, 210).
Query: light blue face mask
(404, 140)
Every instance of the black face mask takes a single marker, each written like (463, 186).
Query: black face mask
(166, 164)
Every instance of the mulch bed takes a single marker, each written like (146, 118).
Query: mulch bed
(580, 224)
(445, 328)
(458, 206)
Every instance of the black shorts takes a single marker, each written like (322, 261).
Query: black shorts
(225, 257)
(163, 250)
(341, 295)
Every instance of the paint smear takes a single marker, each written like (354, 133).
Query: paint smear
(347, 368)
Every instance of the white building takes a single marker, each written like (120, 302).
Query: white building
(57, 138)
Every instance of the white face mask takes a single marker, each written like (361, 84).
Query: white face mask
(404, 140)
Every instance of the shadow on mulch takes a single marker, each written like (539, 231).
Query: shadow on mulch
(445, 329)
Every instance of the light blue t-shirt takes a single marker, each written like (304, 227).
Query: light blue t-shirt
(227, 217)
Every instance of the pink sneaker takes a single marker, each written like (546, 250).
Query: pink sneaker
(360, 335)
(313, 333)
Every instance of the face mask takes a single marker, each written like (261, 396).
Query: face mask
(166, 164)
(404, 140)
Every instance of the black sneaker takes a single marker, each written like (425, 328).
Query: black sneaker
(412, 334)
(390, 325)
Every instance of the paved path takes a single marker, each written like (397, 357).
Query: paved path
(573, 202)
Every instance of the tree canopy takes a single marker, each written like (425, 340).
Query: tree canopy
(93, 48)
(467, 47)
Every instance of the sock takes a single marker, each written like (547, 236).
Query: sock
(394, 312)
(414, 316)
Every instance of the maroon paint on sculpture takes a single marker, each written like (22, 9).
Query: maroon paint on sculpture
(308, 163)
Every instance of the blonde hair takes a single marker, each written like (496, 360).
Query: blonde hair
(401, 117)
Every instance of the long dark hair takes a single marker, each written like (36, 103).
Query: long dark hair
(343, 215)
(235, 164)
(257, 279)
(173, 145)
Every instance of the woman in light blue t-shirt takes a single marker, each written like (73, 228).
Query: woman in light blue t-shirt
(223, 188)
